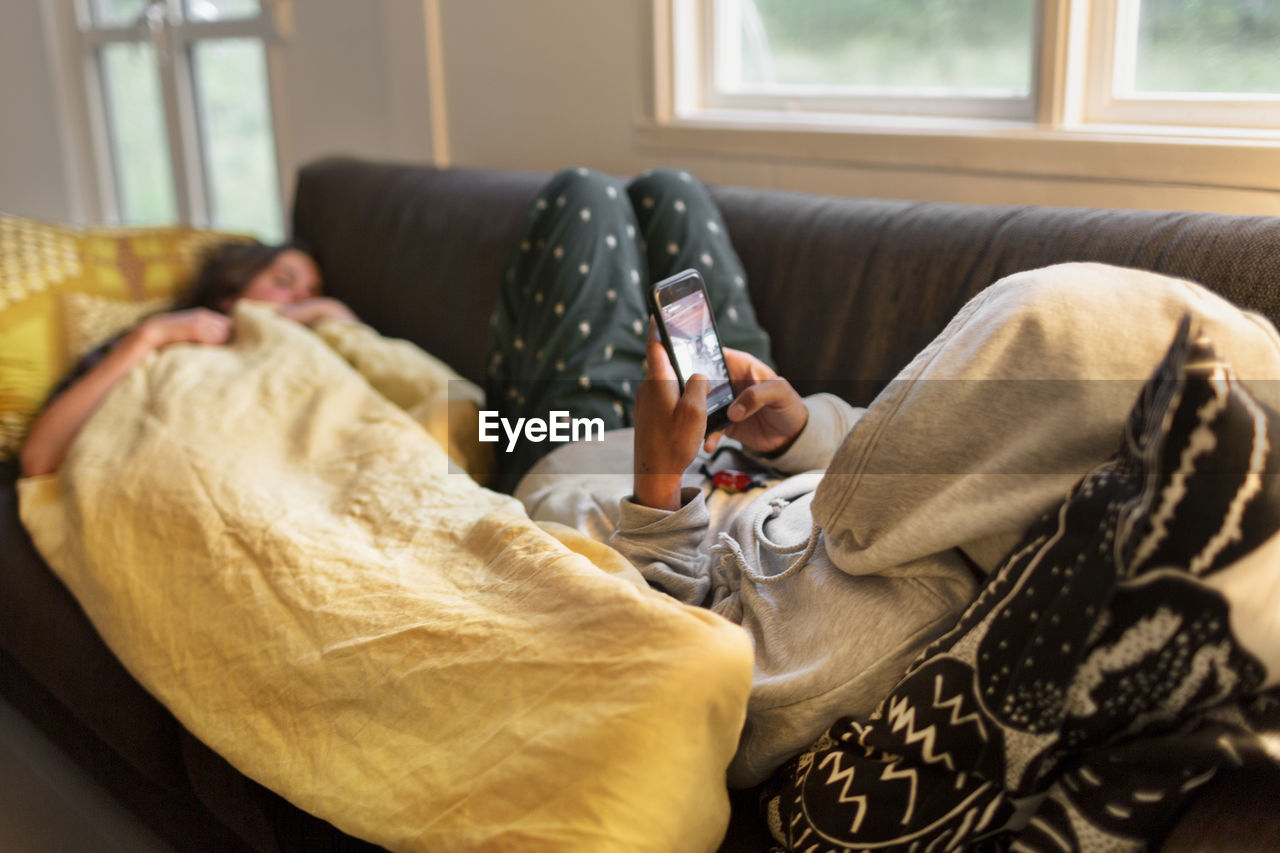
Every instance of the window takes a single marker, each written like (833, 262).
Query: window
(1186, 62)
(1047, 63)
(178, 94)
(941, 57)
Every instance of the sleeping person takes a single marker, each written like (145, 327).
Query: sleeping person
(285, 276)
(272, 539)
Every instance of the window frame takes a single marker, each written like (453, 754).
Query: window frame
(1072, 89)
(1056, 158)
(82, 38)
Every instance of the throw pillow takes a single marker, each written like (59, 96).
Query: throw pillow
(41, 264)
(90, 321)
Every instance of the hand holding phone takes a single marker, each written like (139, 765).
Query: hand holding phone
(688, 330)
(670, 426)
(768, 413)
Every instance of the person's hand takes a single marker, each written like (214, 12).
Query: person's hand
(669, 428)
(311, 311)
(197, 325)
(767, 414)
(56, 427)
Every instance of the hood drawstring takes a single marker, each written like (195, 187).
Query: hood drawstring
(730, 550)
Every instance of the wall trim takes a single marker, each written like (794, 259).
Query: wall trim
(1251, 165)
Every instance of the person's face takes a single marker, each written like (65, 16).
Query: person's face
(291, 277)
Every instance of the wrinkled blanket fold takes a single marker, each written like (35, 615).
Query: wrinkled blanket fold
(282, 557)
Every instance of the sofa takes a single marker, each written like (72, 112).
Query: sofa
(849, 290)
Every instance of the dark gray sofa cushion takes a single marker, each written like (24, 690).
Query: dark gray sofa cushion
(849, 289)
(416, 252)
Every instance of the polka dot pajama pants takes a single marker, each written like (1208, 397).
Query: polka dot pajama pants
(569, 330)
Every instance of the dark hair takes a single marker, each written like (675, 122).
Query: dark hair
(226, 271)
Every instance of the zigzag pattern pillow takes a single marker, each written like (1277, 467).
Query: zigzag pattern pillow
(1087, 691)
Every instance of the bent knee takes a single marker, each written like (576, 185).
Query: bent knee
(662, 178)
(582, 184)
(661, 183)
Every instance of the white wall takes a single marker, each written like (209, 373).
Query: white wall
(556, 84)
(32, 179)
(356, 81)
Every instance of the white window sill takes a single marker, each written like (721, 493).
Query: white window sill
(1169, 157)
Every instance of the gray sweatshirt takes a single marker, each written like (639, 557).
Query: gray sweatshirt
(990, 425)
(827, 643)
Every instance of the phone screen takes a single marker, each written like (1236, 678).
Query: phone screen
(695, 346)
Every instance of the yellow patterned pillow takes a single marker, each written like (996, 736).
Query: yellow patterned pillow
(89, 321)
(42, 265)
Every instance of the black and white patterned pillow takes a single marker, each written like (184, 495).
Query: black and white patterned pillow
(1086, 691)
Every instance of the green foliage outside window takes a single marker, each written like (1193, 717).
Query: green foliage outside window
(1222, 46)
(942, 43)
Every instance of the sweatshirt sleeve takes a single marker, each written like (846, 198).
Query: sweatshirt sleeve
(666, 545)
(830, 420)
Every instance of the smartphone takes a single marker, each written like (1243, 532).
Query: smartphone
(688, 329)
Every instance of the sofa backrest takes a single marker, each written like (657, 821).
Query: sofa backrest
(850, 289)
(417, 252)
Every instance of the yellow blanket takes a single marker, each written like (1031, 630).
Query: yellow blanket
(283, 558)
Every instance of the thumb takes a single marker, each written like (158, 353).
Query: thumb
(657, 362)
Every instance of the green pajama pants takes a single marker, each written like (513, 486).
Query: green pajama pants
(569, 330)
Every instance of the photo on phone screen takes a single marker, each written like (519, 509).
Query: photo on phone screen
(689, 334)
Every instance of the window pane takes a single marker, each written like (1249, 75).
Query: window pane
(221, 10)
(118, 13)
(236, 132)
(138, 138)
(935, 44)
(1225, 46)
